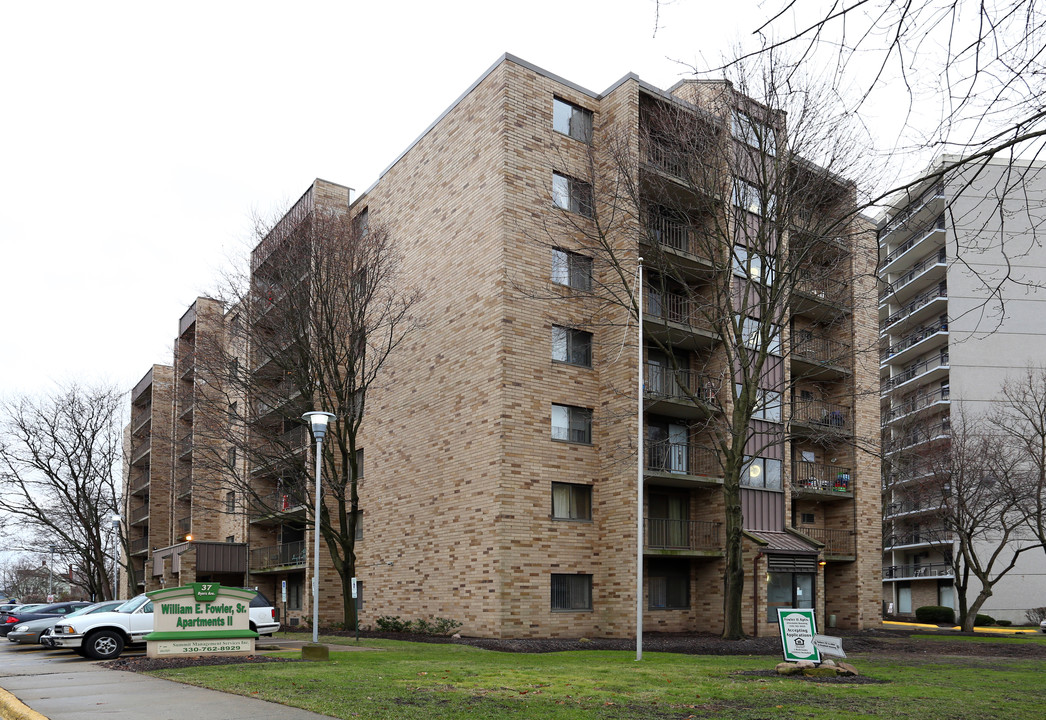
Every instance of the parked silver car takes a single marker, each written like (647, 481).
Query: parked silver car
(30, 633)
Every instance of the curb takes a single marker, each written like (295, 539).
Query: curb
(11, 708)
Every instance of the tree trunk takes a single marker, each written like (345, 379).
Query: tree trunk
(734, 574)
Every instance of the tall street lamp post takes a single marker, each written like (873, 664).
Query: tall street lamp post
(318, 420)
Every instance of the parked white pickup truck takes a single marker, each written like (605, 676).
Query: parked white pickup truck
(103, 636)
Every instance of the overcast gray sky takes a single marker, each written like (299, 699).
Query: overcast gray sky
(137, 138)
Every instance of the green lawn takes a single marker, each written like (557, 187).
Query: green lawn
(417, 680)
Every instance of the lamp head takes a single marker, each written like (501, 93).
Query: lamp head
(318, 421)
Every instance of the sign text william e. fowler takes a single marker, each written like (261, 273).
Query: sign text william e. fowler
(201, 619)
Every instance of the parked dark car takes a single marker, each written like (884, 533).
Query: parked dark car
(31, 632)
(24, 607)
(56, 610)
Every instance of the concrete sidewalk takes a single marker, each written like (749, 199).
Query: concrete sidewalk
(74, 689)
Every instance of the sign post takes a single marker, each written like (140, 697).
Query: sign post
(797, 634)
(201, 619)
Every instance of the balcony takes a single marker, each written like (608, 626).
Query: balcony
(919, 435)
(140, 481)
(817, 356)
(139, 514)
(928, 370)
(186, 364)
(184, 447)
(918, 572)
(678, 240)
(675, 320)
(897, 352)
(912, 215)
(827, 482)
(912, 406)
(909, 508)
(141, 419)
(184, 525)
(817, 293)
(822, 417)
(930, 303)
(681, 464)
(139, 545)
(276, 506)
(694, 538)
(918, 271)
(141, 450)
(679, 393)
(183, 484)
(838, 544)
(911, 538)
(282, 230)
(279, 557)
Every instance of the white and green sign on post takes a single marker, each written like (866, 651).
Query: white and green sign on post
(201, 619)
(797, 634)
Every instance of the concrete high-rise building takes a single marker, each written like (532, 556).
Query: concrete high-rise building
(960, 258)
(500, 487)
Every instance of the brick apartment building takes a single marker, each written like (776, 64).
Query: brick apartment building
(501, 453)
(951, 334)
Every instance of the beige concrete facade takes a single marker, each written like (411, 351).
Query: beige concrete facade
(461, 455)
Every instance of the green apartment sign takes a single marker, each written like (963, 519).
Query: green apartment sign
(201, 619)
(797, 634)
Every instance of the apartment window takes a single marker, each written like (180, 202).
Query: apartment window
(361, 223)
(668, 585)
(359, 524)
(571, 424)
(751, 335)
(571, 269)
(359, 595)
(764, 473)
(230, 502)
(572, 120)
(747, 197)
(767, 404)
(807, 518)
(359, 463)
(571, 592)
(571, 502)
(752, 265)
(571, 346)
(754, 133)
(231, 457)
(230, 538)
(572, 194)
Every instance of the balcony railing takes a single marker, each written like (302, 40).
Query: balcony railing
(819, 348)
(929, 536)
(836, 541)
(283, 500)
(292, 554)
(680, 457)
(820, 478)
(185, 445)
(661, 381)
(666, 534)
(184, 525)
(823, 415)
(141, 418)
(931, 193)
(291, 220)
(913, 371)
(909, 506)
(823, 286)
(917, 303)
(139, 513)
(142, 449)
(936, 258)
(914, 404)
(186, 363)
(140, 481)
(912, 339)
(669, 306)
(139, 545)
(183, 484)
(919, 434)
(927, 570)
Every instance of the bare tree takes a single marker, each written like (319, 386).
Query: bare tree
(740, 236)
(977, 489)
(59, 459)
(1020, 416)
(312, 327)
